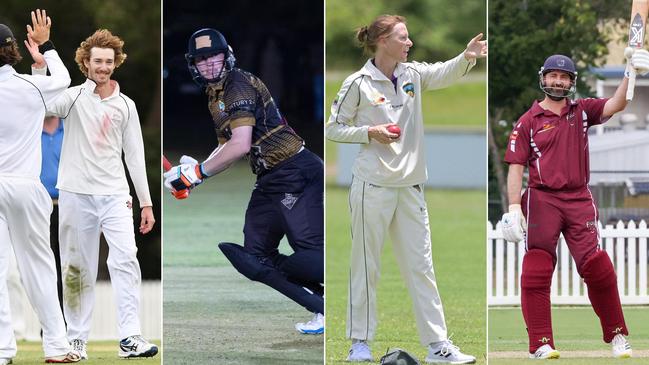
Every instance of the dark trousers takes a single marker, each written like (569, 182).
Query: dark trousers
(288, 201)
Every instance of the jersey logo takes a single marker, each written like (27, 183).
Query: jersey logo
(409, 89)
(378, 99)
(546, 127)
(289, 200)
(221, 105)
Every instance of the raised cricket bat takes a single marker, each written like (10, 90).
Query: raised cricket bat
(182, 194)
(639, 11)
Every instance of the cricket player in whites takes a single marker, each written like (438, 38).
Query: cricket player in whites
(551, 140)
(380, 108)
(101, 123)
(288, 195)
(25, 206)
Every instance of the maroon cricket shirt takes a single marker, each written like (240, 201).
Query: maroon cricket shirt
(555, 147)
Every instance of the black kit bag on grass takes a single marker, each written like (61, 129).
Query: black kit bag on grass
(398, 357)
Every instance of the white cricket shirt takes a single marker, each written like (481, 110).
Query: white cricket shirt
(368, 98)
(23, 100)
(96, 132)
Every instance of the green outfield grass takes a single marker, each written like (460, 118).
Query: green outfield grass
(462, 105)
(576, 333)
(212, 314)
(456, 219)
(99, 353)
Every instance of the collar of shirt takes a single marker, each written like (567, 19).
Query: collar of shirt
(538, 110)
(372, 71)
(89, 88)
(6, 71)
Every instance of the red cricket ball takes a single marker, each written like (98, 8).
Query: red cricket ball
(394, 129)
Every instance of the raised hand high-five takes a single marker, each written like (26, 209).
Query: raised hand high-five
(39, 31)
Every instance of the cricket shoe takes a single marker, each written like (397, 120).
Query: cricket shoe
(79, 346)
(447, 353)
(545, 352)
(359, 351)
(313, 327)
(621, 347)
(136, 346)
(4, 361)
(72, 356)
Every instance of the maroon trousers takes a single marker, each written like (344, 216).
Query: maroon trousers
(574, 214)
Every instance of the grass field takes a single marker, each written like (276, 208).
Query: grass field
(458, 230)
(577, 336)
(212, 314)
(99, 353)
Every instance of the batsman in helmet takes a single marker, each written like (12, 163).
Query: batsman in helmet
(287, 199)
(551, 140)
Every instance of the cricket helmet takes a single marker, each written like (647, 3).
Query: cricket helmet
(208, 42)
(562, 63)
(6, 36)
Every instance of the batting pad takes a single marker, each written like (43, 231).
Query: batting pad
(599, 276)
(536, 279)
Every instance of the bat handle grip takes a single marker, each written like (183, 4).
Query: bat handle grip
(631, 86)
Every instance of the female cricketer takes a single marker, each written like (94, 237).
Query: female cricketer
(380, 108)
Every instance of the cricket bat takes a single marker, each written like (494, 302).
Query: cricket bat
(639, 10)
(181, 194)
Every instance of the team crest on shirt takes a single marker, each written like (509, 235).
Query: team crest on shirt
(221, 105)
(409, 89)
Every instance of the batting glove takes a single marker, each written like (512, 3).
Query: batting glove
(640, 61)
(185, 176)
(513, 224)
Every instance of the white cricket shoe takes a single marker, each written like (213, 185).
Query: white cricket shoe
(545, 352)
(313, 327)
(621, 347)
(4, 361)
(79, 346)
(359, 351)
(136, 346)
(447, 353)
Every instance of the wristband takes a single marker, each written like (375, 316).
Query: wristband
(47, 46)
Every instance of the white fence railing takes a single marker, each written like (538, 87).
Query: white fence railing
(626, 246)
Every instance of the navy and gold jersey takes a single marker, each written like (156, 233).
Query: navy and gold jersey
(243, 99)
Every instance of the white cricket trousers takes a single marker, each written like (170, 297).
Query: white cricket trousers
(82, 218)
(401, 212)
(25, 209)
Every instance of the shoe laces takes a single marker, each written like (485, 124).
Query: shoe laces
(78, 345)
(448, 348)
(620, 342)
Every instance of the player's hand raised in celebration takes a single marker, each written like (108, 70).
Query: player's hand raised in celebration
(639, 60)
(39, 31)
(32, 47)
(381, 134)
(476, 48)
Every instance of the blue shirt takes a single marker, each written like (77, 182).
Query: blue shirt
(51, 145)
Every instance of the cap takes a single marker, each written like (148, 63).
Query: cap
(559, 62)
(6, 36)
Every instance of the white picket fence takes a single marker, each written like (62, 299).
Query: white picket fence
(626, 246)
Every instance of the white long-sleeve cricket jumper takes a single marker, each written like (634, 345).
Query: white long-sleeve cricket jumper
(368, 98)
